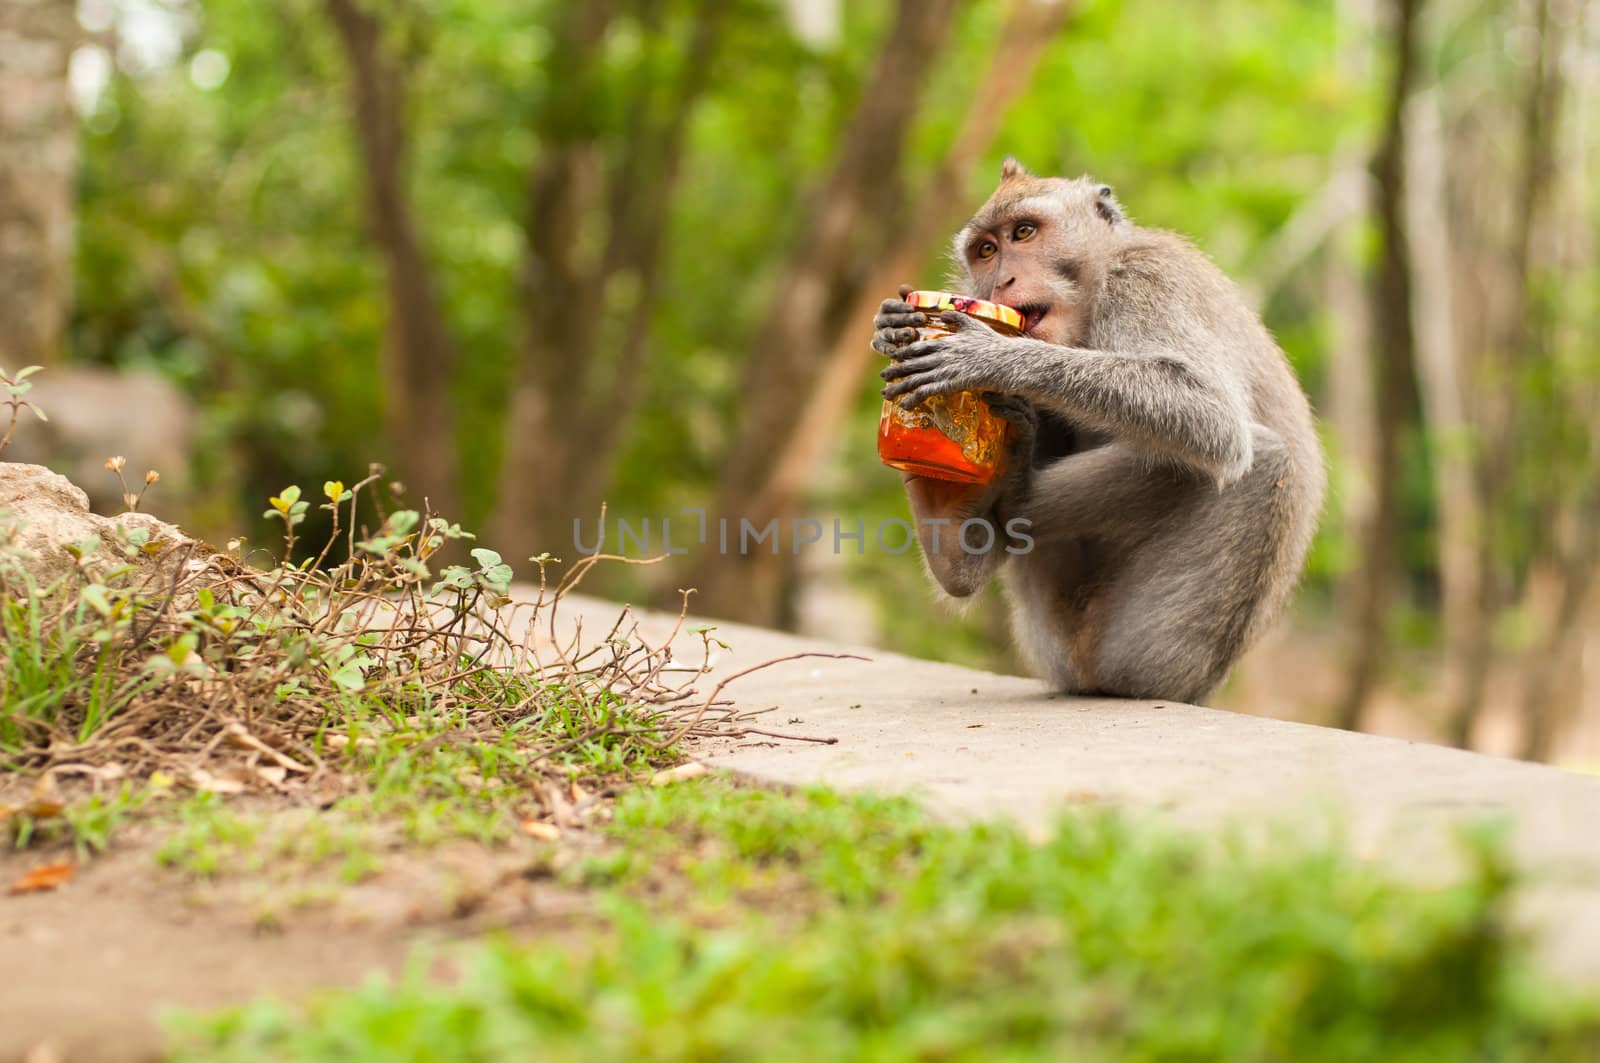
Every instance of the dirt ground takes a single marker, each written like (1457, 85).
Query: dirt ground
(90, 967)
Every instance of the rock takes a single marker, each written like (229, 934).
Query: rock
(42, 514)
(96, 412)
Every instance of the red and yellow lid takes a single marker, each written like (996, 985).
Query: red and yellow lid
(978, 308)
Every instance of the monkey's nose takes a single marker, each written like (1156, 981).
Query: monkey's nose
(1008, 282)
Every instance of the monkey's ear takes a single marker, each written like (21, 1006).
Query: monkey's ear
(1106, 205)
(1012, 168)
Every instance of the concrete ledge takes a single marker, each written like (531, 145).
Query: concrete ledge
(974, 744)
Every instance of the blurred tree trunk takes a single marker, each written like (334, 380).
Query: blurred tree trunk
(1349, 403)
(38, 164)
(1564, 575)
(1549, 692)
(796, 384)
(559, 292)
(1561, 596)
(584, 356)
(419, 355)
(1393, 351)
(1440, 366)
(1502, 371)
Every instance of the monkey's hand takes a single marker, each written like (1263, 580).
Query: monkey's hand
(1011, 492)
(971, 358)
(897, 323)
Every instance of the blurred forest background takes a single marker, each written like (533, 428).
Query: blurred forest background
(536, 256)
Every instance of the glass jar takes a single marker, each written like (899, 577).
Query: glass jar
(948, 437)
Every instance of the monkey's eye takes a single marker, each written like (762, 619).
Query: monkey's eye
(1023, 231)
(987, 249)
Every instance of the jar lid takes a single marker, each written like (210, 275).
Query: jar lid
(979, 308)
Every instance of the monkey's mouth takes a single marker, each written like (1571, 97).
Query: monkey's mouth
(1032, 314)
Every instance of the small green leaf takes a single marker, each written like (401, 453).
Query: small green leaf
(349, 677)
(498, 578)
(83, 547)
(379, 544)
(455, 577)
(284, 500)
(448, 530)
(97, 598)
(181, 648)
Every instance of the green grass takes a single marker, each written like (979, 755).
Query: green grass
(87, 824)
(50, 657)
(212, 840)
(413, 775)
(753, 925)
(420, 784)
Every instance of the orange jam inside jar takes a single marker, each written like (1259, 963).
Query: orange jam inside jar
(948, 437)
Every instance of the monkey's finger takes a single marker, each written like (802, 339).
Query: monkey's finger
(939, 386)
(1019, 414)
(905, 290)
(906, 321)
(917, 350)
(963, 322)
(899, 336)
(922, 363)
(1011, 407)
(923, 384)
(885, 341)
(897, 388)
(899, 395)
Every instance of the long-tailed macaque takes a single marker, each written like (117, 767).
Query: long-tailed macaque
(1162, 450)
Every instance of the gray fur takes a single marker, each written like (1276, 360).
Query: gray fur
(1176, 527)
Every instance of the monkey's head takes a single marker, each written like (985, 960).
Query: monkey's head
(1041, 245)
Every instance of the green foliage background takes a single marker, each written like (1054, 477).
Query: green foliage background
(222, 235)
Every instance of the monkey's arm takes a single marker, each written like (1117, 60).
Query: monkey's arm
(1174, 402)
